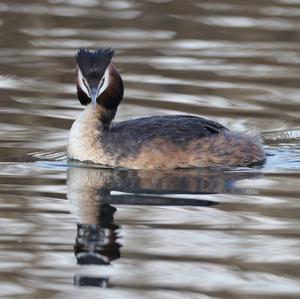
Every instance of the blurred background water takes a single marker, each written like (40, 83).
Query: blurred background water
(73, 232)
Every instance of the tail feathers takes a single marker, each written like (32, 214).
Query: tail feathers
(229, 149)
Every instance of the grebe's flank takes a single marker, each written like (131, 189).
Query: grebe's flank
(158, 142)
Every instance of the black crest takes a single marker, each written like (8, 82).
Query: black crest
(94, 63)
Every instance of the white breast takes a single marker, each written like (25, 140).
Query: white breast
(83, 141)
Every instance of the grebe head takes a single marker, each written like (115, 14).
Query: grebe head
(98, 82)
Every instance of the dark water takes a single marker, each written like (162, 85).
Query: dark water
(75, 232)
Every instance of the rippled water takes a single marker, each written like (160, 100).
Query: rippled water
(77, 232)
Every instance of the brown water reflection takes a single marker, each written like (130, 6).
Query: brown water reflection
(237, 62)
(90, 192)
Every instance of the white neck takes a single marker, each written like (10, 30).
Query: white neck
(84, 137)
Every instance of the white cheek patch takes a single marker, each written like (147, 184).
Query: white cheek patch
(105, 84)
(80, 82)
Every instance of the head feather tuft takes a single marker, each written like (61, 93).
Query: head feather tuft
(94, 63)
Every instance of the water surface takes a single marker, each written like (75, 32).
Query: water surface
(78, 232)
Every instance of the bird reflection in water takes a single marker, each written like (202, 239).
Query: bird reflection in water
(96, 244)
(91, 199)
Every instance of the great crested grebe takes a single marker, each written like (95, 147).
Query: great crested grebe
(158, 142)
